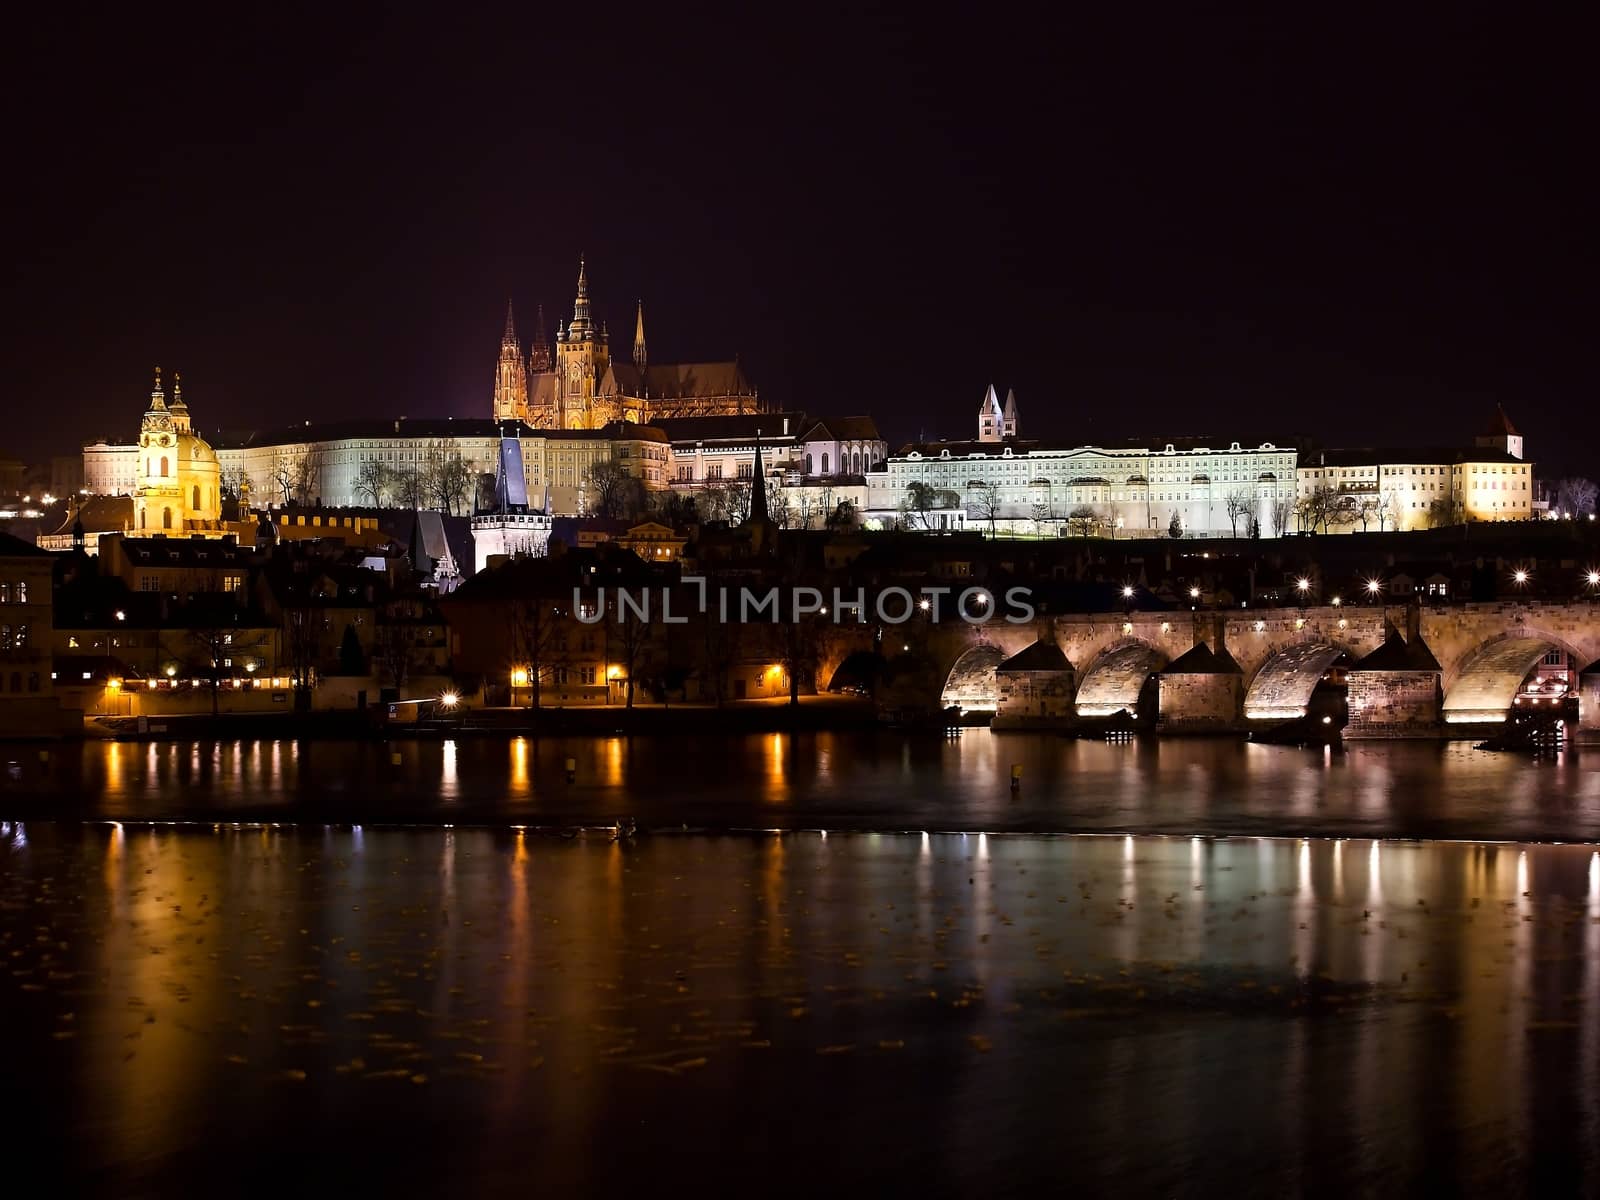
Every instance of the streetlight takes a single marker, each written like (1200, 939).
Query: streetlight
(1373, 588)
(1335, 602)
(1520, 576)
(450, 699)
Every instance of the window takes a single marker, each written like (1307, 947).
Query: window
(824, 463)
(586, 675)
(808, 464)
(166, 518)
(163, 466)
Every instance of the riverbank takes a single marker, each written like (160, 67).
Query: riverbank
(813, 713)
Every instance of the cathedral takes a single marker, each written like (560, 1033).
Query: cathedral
(582, 387)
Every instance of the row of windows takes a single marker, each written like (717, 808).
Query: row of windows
(14, 593)
(16, 681)
(13, 637)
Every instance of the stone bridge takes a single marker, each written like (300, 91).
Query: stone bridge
(1412, 670)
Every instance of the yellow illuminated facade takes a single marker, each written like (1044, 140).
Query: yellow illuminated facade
(581, 386)
(179, 484)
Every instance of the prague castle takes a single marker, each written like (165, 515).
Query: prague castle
(583, 387)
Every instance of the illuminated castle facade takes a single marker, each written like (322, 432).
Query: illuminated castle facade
(581, 386)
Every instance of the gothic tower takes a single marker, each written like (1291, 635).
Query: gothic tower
(583, 353)
(510, 378)
(991, 420)
(640, 358)
(539, 360)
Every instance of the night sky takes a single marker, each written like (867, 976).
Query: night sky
(1148, 222)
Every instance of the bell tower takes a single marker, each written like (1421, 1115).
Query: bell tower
(583, 353)
(158, 502)
(510, 376)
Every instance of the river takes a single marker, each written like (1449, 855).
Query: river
(864, 781)
(459, 1006)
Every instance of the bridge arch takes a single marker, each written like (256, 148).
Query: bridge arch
(971, 683)
(1485, 684)
(1281, 689)
(1118, 678)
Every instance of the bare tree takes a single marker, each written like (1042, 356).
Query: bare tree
(1040, 511)
(446, 479)
(805, 509)
(1323, 507)
(1279, 513)
(611, 492)
(214, 637)
(1388, 511)
(983, 503)
(1575, 496)
(736, 500)
(780, 509)
(284, 475)
(394, 649)
(1239, 503)
(407, 485)
(234, 484)
(538, 638)
(628, 637)
(372, 482)
(298, 476)
(921, 501)
(1083, 520)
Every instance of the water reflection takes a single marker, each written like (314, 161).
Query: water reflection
(484, 999)
(838, 780)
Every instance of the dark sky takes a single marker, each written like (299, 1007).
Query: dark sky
(1150, 221)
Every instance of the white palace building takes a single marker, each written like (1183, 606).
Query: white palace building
(1195, 486)
(1010, 484)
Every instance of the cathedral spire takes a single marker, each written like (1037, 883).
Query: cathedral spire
(758, 487)
(177, 391)
(158, 398)
(639, 357)
(539, 348)
(580, 307)
(510, 376)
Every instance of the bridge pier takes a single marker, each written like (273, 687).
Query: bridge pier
(1589, 705)
(1200, 692)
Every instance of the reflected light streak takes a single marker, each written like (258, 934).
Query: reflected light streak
(519, 764)
(448, 778)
